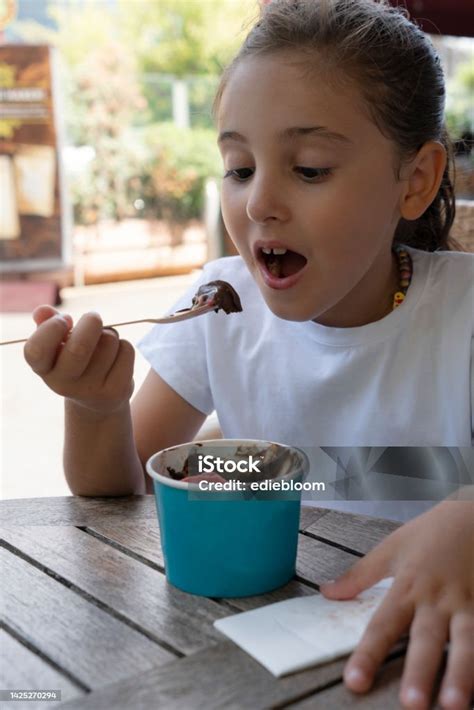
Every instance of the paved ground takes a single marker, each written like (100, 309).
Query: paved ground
(31, 431)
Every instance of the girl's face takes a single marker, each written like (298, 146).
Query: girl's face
(332, 202)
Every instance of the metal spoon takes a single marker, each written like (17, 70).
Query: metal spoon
(184, 314)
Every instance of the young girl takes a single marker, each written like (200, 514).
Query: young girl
(357, 322)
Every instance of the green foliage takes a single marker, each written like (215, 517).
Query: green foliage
(159, 173)
(174, 174)
(460, 111)
(107, 97)
(183, 37)
(201, 95)
(158, 92)
(104, 190)
(117, 66)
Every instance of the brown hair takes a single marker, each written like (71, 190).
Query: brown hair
(399, 74)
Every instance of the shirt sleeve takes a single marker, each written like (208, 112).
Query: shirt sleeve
(177, 353)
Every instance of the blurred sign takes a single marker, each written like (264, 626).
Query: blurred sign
(31, 223)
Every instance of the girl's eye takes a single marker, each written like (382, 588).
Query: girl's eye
(236, 174)
(310, 174)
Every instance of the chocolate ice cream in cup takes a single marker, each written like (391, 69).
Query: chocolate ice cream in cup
(231, 531)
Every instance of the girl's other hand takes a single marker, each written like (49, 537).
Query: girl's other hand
(432, 595)
(87, 364)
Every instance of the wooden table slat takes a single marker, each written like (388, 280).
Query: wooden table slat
(310, 515)
(289, 591)
(318, 562)
(132, 589)
(23, 669)
(141, 537)
(90, 644)
(76, 510)
(222, 676)
(358, 532)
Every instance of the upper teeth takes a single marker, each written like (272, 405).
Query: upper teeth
(275, 251)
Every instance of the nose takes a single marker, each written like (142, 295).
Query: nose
(266, 200)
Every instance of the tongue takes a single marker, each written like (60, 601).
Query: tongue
(291, 263)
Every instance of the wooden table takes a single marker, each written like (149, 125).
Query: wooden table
(87, 610)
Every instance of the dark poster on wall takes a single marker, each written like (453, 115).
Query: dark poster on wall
(32, 233)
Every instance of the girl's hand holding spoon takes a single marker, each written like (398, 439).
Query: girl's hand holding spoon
(88, 364)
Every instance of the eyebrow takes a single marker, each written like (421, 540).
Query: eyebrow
(292, 133)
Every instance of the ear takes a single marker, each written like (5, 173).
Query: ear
(423, 178)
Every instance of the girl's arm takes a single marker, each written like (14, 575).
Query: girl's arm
(99, 456)
(105, 455)
(92, 368)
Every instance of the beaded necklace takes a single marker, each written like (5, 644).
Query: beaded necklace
(405, 267)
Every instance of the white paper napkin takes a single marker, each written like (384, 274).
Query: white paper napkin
(306, 631)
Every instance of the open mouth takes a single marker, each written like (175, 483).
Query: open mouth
(281, 263)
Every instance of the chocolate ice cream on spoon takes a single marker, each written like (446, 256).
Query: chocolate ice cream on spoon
(212, 296)
(216, 295)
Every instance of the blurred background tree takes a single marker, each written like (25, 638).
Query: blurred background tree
(187, 44)
(128, 70)
(460, 104)
(180, 37)
(106, 99)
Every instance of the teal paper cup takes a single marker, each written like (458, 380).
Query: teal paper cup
(228, 543)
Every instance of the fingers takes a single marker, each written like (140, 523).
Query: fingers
(53, 345)
(44, 312)
(108, 378)
(458, 684)
(41, 348)
(119, 379)
(387, 625)
(76, 354)
(365, 573)
(103, 356)
(428, 636)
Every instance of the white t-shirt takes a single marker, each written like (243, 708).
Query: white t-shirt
(404, 380)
